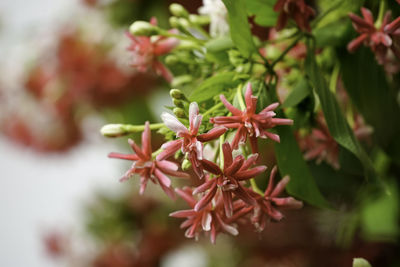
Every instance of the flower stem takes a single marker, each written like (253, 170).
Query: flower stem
(382, 9)
(117, 130)
(240, 97)
(155, 153)
(209, 111)
(252, 180)
(286, 50)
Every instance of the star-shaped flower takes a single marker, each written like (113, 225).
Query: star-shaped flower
(190, 141)
(379, 39)
(146, 51)
(228, 180)
(248, 123)
(147, 167)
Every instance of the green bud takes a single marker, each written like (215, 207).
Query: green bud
(113, 130)
(199, 20)
(360, 262)
(186, 165)
(179, 113)
(184, 23)
(178, 103)
(178, 10)
(143, 28)
(174, 22)
(176, 94)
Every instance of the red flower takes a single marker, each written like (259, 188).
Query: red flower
(379, 39)
(147, 168)
(146, 51)
(248, 123)
(298, 10)
(228, 180)
(190, 142)
(209, 219)
(269, 203)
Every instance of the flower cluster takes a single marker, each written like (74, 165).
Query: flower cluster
(298, 10)
(223, 195)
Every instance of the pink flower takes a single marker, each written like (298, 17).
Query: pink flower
(269, 203)
(147, 168)
(248, 123)
(146, 51)
(380, 40)
(298, 10)
(320, 145)
(190, 142)
(228, 180)
(209, 219)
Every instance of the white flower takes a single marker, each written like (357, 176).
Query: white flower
(217, 12)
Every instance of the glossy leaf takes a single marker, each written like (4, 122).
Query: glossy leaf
(239, 25)
(299, 92)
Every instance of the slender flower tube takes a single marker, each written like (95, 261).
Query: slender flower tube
(228, 180)
(147, 50)
(248, 123)
(147, 168)
(190, 141)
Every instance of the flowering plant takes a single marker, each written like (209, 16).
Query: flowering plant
(239, 90)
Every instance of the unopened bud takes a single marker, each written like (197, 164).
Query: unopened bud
(186, 165)
(176, 94)
(199, 20)
(178, 103)
(171, 60)
(179, 113)
(178, 10)
(360, 262)
(174, 22)
(184, 23)
(143, 28)
(113, 130)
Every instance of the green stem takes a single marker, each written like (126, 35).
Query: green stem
(182, 37)
(240, 97)
(155, 153)
(140, 128)
(255, 187)
(334, 78)
(209, 111)
(286, 50)
(382, 9)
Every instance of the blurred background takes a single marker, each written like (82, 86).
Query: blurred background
(64, 73)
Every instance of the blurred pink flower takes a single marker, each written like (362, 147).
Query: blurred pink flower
(269, 203)
(228, 180)
(298, 10)
(147, 50)
(190, 142)
(379, 39)
(248, 123)
(147, 168)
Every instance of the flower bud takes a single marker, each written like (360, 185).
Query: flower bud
(174, 22)
(113, 130)
(360, 262)
(179, 113)
(178, 10)
(171, 60)
(199, 20)
(143, 28)
(186, 165)
(176, 94)
(184, 23)
(178, 103)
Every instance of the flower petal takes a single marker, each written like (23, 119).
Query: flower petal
(173, 123)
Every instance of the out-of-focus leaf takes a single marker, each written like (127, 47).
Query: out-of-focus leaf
(214, 86)
(240, 29)
(299, 92)
(219, 44)
(337, 124)
(333, 34)
(263, 10)
(335, 10)
(366, 84)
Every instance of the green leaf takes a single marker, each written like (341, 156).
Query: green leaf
(301, 91)
(366, 84)
(333, 34)
(337, 124)
(290, 161)
(263, 10)
(239, 27)
(214, 86)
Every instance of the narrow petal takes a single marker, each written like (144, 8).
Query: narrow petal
(393, 26)
(212, 134)
(249, 161)
(367, 15)
(203, 187)
(248, 174)
(270, 186)
(288, 203)
(205, 200)
(170, 149)
(211, 167)
(123, 156)
(186, 196)
(280, 187)
(206, 221)
(228, 205)
(173, 123)
(137, 150)
(183, 213)
(165, 46)
(162, 70)
(230, 107)
(247, 96)
(241, 193)
(226, 227)
(162, 178)
(193, 112)
(146, 140)
(227, 150)
(235, 166)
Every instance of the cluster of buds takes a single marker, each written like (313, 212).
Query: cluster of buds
(224, 195)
